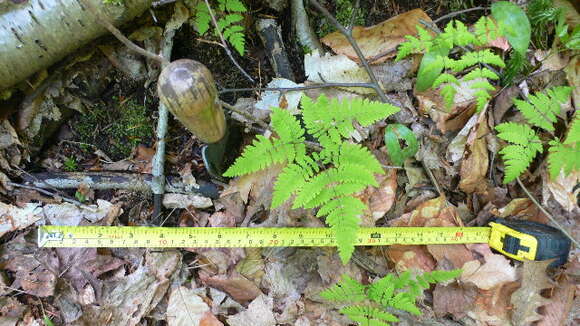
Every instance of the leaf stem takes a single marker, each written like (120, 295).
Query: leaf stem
(546, 212)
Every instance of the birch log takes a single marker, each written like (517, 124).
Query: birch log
(38, 33)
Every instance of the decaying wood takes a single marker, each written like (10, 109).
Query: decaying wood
(38, 33)
(113, 180)
(271, 36)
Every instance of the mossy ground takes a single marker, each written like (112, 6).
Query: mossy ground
(117, 128)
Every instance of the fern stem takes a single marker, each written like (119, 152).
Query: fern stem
(546, 212)
(348, 35)
(225, 45)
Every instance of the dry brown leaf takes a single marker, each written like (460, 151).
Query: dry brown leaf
(337, 68)
(557, 310)
(383, 197)
(453, 299)
(410, 257)
(527, 299)
(573, 75)
(495, 272)
(475, 162)
(259, 313)
(492, 307)
(14, 218)
(455, 117)
(562, 189)
(186, 308)
(237, 286)
(378, 42)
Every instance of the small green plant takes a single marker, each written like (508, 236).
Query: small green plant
(544, 16)
(401, 143)
(70, 164)
(327, 179)
(456, 36)
(389, 292)
(229, 17)
(540, 111)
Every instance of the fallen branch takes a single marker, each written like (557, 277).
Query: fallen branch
(270, 34)
(304, 32)
(114, 180)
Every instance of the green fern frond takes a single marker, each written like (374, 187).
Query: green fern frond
(335, 120)
(232, 5)
(481, 73)
(404, 301)
(448, 93)
(202, 18)
(422, 43)
(455, 33)
(517, 157)
(486, 30)
(289, 181)
(574, 130)
(472, 58)
(228, 20)
(563, 156)
(346, 290)
(566, 155)
(344, 221)
(516, 133)
(445, 78)
(368, 316)
(541, 109)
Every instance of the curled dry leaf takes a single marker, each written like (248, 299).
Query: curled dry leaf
(527, 299)
(379, 42)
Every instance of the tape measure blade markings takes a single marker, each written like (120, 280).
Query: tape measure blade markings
(191, 237)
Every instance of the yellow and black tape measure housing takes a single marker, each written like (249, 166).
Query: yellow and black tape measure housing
(525, 240)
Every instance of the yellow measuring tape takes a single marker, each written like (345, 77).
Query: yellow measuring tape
(191, 237)
(519, 240)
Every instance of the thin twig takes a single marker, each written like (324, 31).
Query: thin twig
(104, 21)
(225, 45)
(298, 88)
(356, 48)
(48, 193)
(546, 212)
(457, 13)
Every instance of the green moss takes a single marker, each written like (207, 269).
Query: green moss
(342, 13)
(115, 130)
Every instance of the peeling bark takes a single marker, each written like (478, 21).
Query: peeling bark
(38, 33)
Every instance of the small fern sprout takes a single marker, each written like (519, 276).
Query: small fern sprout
(327, 180)
(390, 292)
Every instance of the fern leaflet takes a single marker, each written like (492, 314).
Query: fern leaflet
(228, 22)
(542, 108)
(566, 155)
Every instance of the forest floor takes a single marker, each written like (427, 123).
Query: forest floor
(96, 123)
